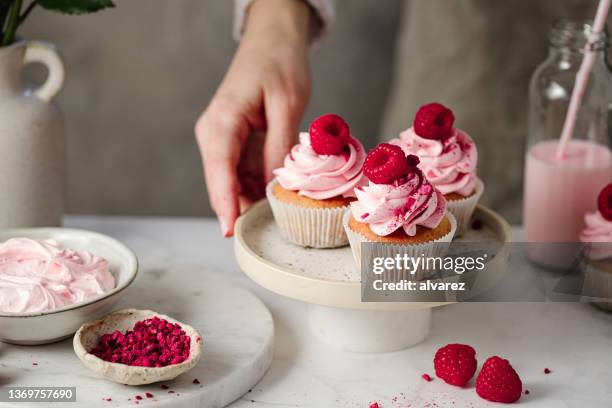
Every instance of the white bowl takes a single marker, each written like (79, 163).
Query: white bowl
(54, 325)
(89, 334)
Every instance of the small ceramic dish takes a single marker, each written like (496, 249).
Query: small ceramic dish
(87, 337)
(54, 325)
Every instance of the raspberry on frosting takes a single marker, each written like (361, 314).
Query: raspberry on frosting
(322, 176)
(433, 121)
(398, 195)
(329, 134)
(448, 156)
(604, 202)
(385, 163)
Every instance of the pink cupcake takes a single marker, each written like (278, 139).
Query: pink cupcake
(448, 159)
(315, 186)
(597, 234)
(398, 208)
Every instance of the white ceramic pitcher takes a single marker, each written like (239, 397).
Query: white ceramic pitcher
(31, 139)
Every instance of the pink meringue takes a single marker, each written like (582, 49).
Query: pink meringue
(449, 164)
(322, 176)
(388, 207)
(598, 231)
(38, 276)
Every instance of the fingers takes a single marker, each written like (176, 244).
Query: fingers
(220, 133)
(250, 169)
(283, 114)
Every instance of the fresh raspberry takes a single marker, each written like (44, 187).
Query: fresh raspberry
(385, 164)
(498, 382)
(547, 371)
(374, 405)
(604, 202)
(427, 377)
(433, 121)
(329, 134)
(455, 363)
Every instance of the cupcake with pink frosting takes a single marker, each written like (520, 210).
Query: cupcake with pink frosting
(597, 236)
(315, 186)
(398, 206)
(448, 159)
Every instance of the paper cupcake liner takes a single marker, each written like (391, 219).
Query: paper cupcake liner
(308, 227)
(598, 282)
(435, 248)
(464, 208)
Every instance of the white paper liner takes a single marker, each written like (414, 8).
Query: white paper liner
(464, 208)
(426, 249)
(598, 282)
(308, 227)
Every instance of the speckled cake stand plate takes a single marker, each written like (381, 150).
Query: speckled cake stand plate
(327, 280)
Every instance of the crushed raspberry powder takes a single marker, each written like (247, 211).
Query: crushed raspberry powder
(152, 343)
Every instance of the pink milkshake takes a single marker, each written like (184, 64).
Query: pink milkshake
(558, 192)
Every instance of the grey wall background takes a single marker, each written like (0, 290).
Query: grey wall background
(139, 75)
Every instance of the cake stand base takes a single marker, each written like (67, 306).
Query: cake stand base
(370, 331)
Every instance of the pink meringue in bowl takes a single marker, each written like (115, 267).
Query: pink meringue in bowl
(61, 278)
(41, 275)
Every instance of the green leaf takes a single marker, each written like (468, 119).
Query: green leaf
(76, 6)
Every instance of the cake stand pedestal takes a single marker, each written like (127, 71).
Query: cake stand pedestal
(327, 279)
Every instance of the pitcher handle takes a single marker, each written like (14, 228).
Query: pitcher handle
(46, 54)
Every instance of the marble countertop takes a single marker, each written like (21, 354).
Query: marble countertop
(573, 340)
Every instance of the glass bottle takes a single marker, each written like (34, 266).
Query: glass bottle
(559, 191)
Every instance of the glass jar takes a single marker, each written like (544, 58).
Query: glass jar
(558, 191)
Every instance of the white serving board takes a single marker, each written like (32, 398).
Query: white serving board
(237, 329)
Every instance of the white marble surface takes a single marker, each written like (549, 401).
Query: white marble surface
(236, 327)
(573, 340)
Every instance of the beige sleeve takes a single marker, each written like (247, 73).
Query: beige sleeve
(323, 8)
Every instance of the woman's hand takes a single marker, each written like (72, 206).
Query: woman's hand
(266, 89)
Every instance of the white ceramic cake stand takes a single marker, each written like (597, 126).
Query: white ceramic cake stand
(327, 279)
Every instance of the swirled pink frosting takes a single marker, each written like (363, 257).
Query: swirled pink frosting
(598, 231)
(37, 276)
(449, 164)
(388, 207)
(322, 176)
